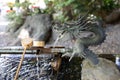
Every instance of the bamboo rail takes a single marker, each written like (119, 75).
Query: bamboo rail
(20, 49)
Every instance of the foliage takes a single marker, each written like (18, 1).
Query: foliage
(24, 10)
(10, 4)
(109, 5)
(102, 8)
(65, 10)
(14, 17)
(70, 9)
(16, 21)
(17, 17)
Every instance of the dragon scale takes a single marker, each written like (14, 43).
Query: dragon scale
(98, 37)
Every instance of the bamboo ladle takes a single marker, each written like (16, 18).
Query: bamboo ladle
(26, 43)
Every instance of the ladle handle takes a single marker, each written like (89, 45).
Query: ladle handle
(20, 63)
(26, 43)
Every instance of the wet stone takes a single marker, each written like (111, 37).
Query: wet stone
(105, 70)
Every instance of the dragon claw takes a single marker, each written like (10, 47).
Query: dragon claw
(69, 54)
(73, 54)
(66, 54)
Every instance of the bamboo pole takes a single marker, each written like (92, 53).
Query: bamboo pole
(20, 49)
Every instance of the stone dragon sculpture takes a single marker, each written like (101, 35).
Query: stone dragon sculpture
(81, 45)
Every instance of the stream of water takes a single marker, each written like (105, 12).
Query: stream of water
(37, 67)
(33, 68)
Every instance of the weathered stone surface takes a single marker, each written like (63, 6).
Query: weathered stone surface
(114, 17)
(105, 70)
(111, 44)
(37, 26)
(5, 39)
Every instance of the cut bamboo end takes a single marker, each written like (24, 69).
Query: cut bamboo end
(27, 42)
(38, 43)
